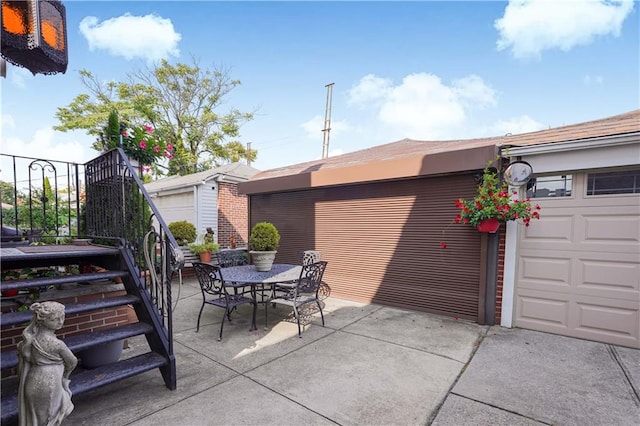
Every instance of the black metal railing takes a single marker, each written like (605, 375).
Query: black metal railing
(41, 199)
(105, 200)
(119, 211)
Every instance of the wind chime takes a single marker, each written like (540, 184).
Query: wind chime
(34, 35)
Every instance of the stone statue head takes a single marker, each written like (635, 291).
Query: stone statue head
(48, 314)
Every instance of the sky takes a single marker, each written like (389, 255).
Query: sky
(424, 70)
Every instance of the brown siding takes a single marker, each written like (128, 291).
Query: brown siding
(382, 241)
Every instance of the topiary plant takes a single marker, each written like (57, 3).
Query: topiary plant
(264, 237)
(183, 231)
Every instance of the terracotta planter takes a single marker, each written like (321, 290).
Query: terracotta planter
(489, 225)
(205, 257)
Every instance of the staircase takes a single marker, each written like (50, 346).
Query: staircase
(131, 244)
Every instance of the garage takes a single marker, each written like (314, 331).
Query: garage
(579, 268)
(379, 221)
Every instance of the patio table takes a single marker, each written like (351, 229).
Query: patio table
(246, 275)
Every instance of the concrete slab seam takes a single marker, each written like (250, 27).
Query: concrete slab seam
(502, 409)
(436, 410)
(292, 400)
(634, 389)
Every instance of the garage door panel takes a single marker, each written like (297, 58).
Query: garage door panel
(612, 228)
(610, 276)
(555, 229)
(543, 309)
(545, 270)
(578, 269)
(607, 321)
(593, 318)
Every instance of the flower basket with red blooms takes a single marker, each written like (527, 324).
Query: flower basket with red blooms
(143, 143)
(494, 201)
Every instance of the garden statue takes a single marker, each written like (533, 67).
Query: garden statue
(45, 363)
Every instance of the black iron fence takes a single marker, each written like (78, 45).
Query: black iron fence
(41, 199)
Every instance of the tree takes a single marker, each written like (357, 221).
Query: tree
(181, 101)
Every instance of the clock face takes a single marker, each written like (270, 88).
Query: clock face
(518, 173)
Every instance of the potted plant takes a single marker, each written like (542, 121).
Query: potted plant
(263, 241)
(205, 248)
(184, 232)
(494, 204)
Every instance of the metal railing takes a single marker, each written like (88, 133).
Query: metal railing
(119, 209)
(105, 200)
(40, 199)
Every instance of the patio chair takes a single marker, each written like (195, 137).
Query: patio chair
(214, 292)
(304, 291)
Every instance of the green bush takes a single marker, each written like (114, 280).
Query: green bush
(183, 231)
(264, 237)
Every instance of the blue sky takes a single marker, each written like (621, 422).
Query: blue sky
(424, 70)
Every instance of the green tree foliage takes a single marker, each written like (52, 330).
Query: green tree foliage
(182, 101)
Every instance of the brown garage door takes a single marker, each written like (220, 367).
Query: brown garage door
(382, 241)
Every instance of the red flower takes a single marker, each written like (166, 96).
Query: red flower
(443, 245)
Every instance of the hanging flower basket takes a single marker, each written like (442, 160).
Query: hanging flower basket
(494, 204)
(489, 225)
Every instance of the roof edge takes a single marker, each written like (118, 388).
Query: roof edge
(381, 170)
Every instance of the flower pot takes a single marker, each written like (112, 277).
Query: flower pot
(10, 293)
(205, 257)
(106, 353)
(489, 225)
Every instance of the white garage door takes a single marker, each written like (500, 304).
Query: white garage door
(176, 207)
(579, 266)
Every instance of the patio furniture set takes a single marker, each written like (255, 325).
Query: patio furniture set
(232, 282)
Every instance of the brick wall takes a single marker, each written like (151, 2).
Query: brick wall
(233, 216)
(75, 323)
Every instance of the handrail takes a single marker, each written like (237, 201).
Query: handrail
(120, 212)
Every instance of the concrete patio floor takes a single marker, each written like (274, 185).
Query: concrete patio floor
(370, 365)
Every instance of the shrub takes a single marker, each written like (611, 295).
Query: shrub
(264, 237)
(183, 231)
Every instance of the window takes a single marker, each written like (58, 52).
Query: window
(626, 182)
(551, 186)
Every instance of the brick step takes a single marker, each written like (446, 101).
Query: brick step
(80, 342)
(61, 280)
(14, 318)
(87, 380)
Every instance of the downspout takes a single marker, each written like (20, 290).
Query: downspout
(196, 207)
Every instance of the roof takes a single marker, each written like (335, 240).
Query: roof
(234, 172)
(408, 157)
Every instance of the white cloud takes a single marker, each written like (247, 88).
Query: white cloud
(530, 26)
(314, 127)
(149, 37)
(422, 106)
(49, 144)
(592, 80)
(514, 126)
(369, 89)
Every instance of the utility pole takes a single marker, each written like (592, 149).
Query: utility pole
(248, 153)
(327, 121)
